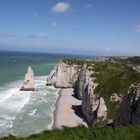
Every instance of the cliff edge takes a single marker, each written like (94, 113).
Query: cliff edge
(101, 86)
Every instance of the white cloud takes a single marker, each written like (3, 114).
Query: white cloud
(61, 7)
(39, 35)
(55, 24)
(7, 34)
(89, 6)
(137, 28)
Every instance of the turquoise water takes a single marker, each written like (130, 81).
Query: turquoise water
(23, 113)
(13, 65)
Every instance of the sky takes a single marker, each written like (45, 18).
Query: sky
(91, 27)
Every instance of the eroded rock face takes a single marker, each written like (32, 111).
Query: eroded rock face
(137, 68)
(28, 84)
(93, 107)
(130, 107)
(80, 83)
(115, 98)
(102, 110)
(50, 76)
(66, 75)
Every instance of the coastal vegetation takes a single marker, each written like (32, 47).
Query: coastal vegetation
(115, 75)
(112, 77)
(83, 133)
(127, 60)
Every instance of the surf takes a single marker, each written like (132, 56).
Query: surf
(19, 109)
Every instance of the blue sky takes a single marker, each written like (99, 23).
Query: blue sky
(94, 27)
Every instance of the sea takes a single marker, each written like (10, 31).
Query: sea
(23, 113)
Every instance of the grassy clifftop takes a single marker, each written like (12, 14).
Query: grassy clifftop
(113, 77)
(82, 133)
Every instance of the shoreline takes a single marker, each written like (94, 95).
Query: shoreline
(56, 108)
(67, 110)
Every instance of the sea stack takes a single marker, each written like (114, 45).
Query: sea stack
(51, 75)
(28, 84)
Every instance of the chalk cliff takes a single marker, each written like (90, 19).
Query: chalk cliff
(80, 83)
(50, 76)
(71, 75)
(28, 84)
(130, 107)
(93, 107)
(66, 75)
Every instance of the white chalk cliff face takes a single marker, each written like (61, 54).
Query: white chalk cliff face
(80, 83)
(130, 107)
(115, 98)
(29, 84)
(50, 76)
(66, 75)
(93, 107)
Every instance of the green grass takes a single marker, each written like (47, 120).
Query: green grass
(130, 60)
(113, 78)
(74, 61)
(82, 133)
(78, 62)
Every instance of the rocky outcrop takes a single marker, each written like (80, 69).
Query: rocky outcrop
(93, 107)
(66, 75)
(136, 67)
(28, 84)
(101, 110)
(51, 75)
(80, 83)
(130, 107)
(115, 98)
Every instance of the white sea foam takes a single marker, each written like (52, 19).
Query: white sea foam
(7, 95)
(51, 87)
(32, 112)
(50, 126)
(6, 121)
(17, 106)
(14, 100)
(40, 80)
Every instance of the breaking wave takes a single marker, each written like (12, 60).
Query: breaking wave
(20, 110)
